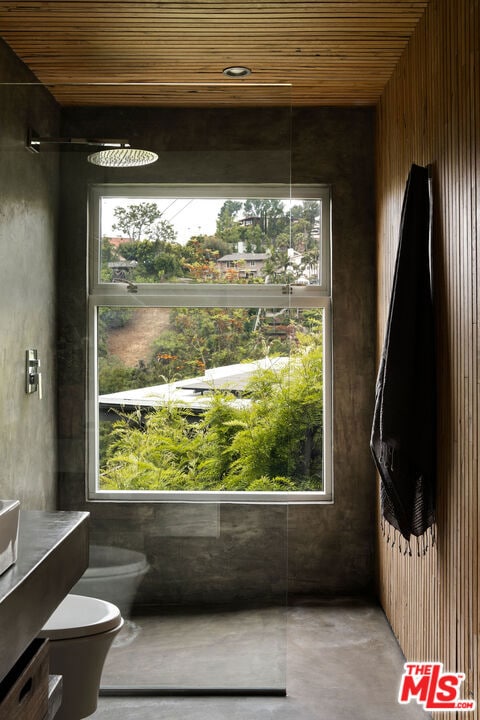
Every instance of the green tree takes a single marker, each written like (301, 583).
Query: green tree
(253, 238)
(228, 229)
(114, 375)
(271, 213)
(282, 430)
(109, 251)
(162, 232)
(201, 338)
(208, 247)
(109, 318)
(156, 261)
(137, 221)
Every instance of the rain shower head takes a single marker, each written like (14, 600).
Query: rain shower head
(122, 157)
(116, 152)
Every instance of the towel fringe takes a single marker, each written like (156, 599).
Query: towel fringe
(394, 538)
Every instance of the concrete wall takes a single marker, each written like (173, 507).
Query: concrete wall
(234, 551)
(28, 211)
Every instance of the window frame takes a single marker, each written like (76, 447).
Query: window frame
(204, 295)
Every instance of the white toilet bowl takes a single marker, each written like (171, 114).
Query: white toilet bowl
(114, 574)
(80, 633)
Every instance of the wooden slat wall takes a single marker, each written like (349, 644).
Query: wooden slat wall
(429, 113)
(332, 52)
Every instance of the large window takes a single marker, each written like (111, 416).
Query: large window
(210, 343)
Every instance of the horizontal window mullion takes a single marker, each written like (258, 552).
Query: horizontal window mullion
(212, 296)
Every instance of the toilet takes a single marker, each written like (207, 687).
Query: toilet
(80, 633)
(114, 574)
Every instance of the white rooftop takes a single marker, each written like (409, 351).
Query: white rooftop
(193, 392)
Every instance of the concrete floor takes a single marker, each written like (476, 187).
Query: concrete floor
(342, 661)
(206, 649)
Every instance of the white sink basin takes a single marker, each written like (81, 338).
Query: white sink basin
(9, 516)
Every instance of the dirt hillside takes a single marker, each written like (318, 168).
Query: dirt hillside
(133, 342)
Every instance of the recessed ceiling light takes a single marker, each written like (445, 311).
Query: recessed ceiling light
(237, 71)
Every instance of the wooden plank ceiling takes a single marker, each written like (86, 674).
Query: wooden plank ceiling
(172, 52)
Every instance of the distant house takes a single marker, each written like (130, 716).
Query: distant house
(244, 264)
(117, 241)
(249, 221)
(122, 270)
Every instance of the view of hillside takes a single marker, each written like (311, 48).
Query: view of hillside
(254, 240)
(273, 440)
(132, 343)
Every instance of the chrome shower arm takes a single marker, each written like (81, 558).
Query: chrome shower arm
(34, 142)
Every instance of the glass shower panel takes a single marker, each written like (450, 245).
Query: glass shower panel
(210, 613)
(202, 585)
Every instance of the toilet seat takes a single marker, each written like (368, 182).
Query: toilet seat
(80, 616)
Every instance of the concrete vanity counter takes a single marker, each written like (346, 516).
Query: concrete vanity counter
(52, 556)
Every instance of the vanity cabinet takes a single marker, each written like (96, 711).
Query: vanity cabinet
(52, 556)
(24, 690)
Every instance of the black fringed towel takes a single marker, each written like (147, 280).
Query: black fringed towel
(403, 432)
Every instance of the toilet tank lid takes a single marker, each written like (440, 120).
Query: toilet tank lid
(80, 616)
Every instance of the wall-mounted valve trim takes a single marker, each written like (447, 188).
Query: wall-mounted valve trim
(33, 376)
